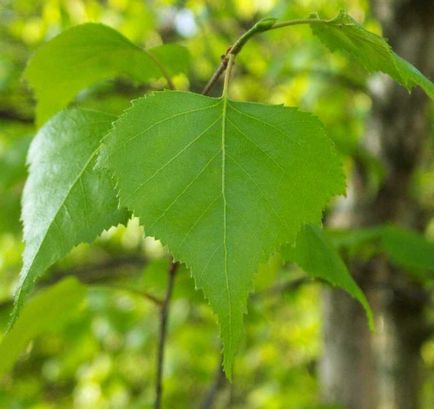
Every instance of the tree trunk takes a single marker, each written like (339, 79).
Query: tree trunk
(361, 370)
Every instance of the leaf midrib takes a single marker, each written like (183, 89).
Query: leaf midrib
(223, 181)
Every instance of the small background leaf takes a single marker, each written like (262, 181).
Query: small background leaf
(65, 201)
(88, 53)
(410, 250)
(371, 51)
(315, 254)
(407, 249)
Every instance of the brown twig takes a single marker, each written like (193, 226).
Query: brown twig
(266, 24)
(164, 318)
(11, 114)
(217, 74)
(114, 268)
(95, 274)
(133, 291)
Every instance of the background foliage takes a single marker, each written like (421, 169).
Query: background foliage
(102, 353)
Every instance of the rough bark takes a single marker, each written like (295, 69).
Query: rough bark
(360, 370)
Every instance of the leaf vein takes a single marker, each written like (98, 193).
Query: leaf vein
(261, 193)
(198, 219)
(176, 155)
(256, 145)
(223, 148)
(265, 123)
(166, 119)
(183, 191)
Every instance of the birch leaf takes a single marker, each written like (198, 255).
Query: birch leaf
(85, 54)
(65, 200)
(223, 184)
(370, 50)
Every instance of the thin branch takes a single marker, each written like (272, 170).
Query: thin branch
(299, 21)
(10, 114)
(261, 26)
(113, 268)
(95, 274)
(139, 293)
(215, 77)
(164, 318)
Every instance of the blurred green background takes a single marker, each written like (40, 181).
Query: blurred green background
(102, 355)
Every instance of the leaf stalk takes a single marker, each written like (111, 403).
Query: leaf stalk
(228, 74)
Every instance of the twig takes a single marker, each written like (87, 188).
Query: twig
(133, 291)
(261, 26)
(215, 77)
(116, 268)
(164, 318)
(10, 114)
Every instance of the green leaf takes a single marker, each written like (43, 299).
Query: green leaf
(357, 241)
(371, 51)
(48, 310)
(404, 248)
(89, 53)
(412, 77)
(65, 201)
(315, 254)
(409, 250)
(223, 184)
